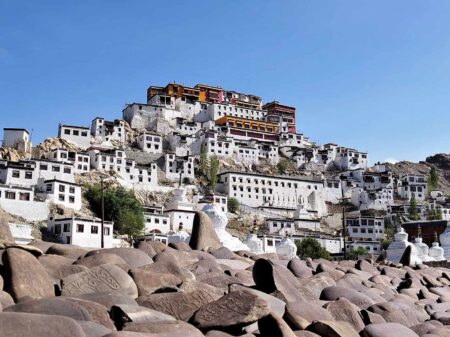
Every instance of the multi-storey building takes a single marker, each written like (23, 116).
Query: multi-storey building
(155, 220)
(176, 167)
(247, 129)
(60, 193)
(108, 131)
(287, 113)
(18, 139)
(78, 135)
(150, 142)
(412, 184)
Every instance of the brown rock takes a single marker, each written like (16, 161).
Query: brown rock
(70, 251)
(92, 329)
(165, 329)
(333, 329)
(299, 268)
(123, 314)
(355, 297)
(108, 299)
(104, 278)
(311, 287)
(5, 231)
(387, 330)
(5, 299)
(152, 247)
(273, 325)
(203, 235)
(217, 279)
(99, 259)
(15, 324)
(27, 277)
(343, 310)
(182, 306)
(182, 246)
(97, 311)
(135, 258)
(300, 314)
(148, 282)
(238, 308)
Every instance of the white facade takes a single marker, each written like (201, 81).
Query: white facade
(83, 232)
(410, 184)
(201, 200)
(181, 212)
(155, 220)
(150, 142)
(368, 228)
(173, 165)
(107, 131)
(258, 190)
(18, 139)
(77, 135)
(61, 193)
(372, 247)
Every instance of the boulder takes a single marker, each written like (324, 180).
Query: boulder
(70, 251)
(165, 329)
(236, 309)
(152, 247)
(15, 324)
(276, 305)
(27, 277)
(124, 314)
(104, 278)
(5, 299)
(99, 259)
(135, 258)
(108, 299)
(148, 282)
(92, 329)
(181, 246)
(203, 235)
(217, 279)
(299, 268)
(182, 306)
(300, 314)
(387, 330)
(58, 266)
(273, 325)
(343, 310)
(270, 277)
(333, 329)
(355, 297)
(222, 253)
(98, 312)
(5, 231)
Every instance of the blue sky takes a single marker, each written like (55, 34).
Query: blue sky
(374, 75)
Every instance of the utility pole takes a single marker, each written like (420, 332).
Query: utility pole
(103, 215)
(343, 201)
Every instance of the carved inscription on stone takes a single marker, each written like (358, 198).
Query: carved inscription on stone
(96, 279)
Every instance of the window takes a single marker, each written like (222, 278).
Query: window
(67, 170)
(61, 197)
(80, 228)
(66, 131)
(72, 200)
(56, 169)
(94, 229)
(28, 175)
(24, 196)
(84, 133)
(16, 174)
(72, 189)
(106, 231)
(57, 229)
(43, 167)
(66, 227)
(48, 187)
(62, 188)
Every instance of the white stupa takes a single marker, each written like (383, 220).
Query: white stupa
(180, 236)
(422, 248)
(219, 220)
(445, 242)
(286, 248)
(436, 252)
(254, 244)
(397, 247)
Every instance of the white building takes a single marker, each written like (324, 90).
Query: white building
(18, 139)
(438, 196)
(108, 131)
(155, 220)
(84, 232)
(372, 247)
(173, 165)
(81, 161)
(150, 142)
(78, 135)
(257, 190)
(201, 200)
(215, 144)
(181, 212)
(61, 193)
(365, 228)
(411, 184)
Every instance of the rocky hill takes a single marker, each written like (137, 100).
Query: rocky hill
(440, 161)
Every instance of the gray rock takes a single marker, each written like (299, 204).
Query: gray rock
(135, 258)
(300, 314)
(181, 246)
(236, 309)
(123, 314)
(70, 251)
(15, 324)
(148, 282)
(203, 235)
(299, 268)
(27, 277)
(104, 278)
(99, 259)
(108, 299)
(276, 305)
(387, 330)
(182, 306)
(355, 297)
(333, 329)
(92, 329)
(273, 325)
(98, 312)
(343, 310)
(5, 231)
(165, 329)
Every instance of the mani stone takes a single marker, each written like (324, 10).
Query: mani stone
(123, 314)
(52, 306)
(238, 308)
(92, 329)
(270, 277)
(59, 267)
(148, 282)
(344, 310)
(276, 305)
(135, 258)
(104, 278)
(15, 324)
(273, 325)
(27, 277)
(70, 251)
(203, 235)
(333, 293)
(165, 329)
(108, 299)
(333, 329)
(300, 314)
(99, 259)
(299, 268)
(387, 330)
(97, 311)
(182, 306)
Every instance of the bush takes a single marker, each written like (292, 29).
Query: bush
(121, 206)
(310, 247)
(233, 205)
(355, 253)
(282, 166)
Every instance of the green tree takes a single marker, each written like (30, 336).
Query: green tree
(233, 205)
(435, 214)
(433, 180)
(121, 206)
(413, 214)
(213, 170)
(355, 253)
(310, 247)
(282, 166)
(203, 160)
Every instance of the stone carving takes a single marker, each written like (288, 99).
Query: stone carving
(237, 308)
(103, 278)
(179, 305)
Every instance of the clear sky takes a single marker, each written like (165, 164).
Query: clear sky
(374, 75)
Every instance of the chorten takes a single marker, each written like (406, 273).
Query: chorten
(436, 252)
(422, 248)
(445, 242)
(398, 246)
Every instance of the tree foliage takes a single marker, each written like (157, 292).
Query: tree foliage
(310, 247)
(203, 160)
(213, 170)
(435, 214)
(433, 180)
(121, 206)
(282, 166)
(233, 205)
(413, 214)
(355, 253)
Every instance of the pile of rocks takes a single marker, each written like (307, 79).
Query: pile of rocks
(203, 289)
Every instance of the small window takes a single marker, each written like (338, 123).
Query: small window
(16, 174)
(106, 231)
(80, 228)
(66, 131)
(94, 229)
(67, 170)
(10, 195)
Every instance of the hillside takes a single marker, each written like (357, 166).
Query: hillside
(440, 161)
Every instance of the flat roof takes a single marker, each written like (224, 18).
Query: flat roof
(273, 176)
(61, 181)
(15, 129)
(75, 126)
